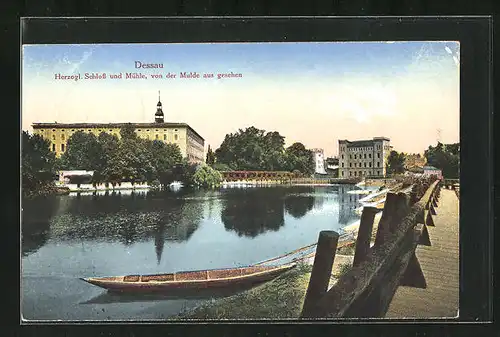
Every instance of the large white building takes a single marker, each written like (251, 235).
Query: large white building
(363, 158)
(319, 161)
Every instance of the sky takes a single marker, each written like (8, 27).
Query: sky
(313, 93)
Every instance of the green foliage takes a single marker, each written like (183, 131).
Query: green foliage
(254, 149)
(207, 177)
(396, 162)
(114, 160)
(210, 160)
(445, 157)
(221, 167)
(38, 162)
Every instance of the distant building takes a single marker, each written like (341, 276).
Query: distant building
(319, 160)
(363, 158)
(332, 166)
(414, 160)
(191, 144)
(431, 170)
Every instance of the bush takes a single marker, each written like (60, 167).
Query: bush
(207, 177)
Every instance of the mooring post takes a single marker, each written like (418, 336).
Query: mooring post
(387, 214)
(322, 269)
(364, 234)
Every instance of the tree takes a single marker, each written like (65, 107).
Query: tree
(206, 177)
(83, 152)
(395, 162)
(38, 162)
(298, 158)
(128, 132)
(446, 158)
(210, 160)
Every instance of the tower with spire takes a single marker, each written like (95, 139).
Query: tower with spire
(159, 117)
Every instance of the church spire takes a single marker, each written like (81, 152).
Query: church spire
(159, 117)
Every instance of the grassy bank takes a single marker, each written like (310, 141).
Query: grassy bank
(281, 298)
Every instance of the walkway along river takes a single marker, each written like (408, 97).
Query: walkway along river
(67, 237)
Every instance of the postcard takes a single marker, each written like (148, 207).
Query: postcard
(203, 181)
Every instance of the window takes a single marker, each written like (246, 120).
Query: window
(350, 164)
(62, 147)
(62, 137)
(72, 130)
(355, 173)
(342, 156)
(350, 174)
(164, 137)
(365, 156)
(350, 156)
(360, 173)
(53, 130)
(365, 165)
(354, 156)
(100, 131)
(90, 130)
(378, 155)
(156, 136)
(378, 164)
(378, 172)
(370, 164)
(53, 137)
(342, 173)
(342, 164)
(369, 155)
(175, 137)
(53, 147)
(110, 130)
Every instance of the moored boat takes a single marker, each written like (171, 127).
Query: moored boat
(214, 278)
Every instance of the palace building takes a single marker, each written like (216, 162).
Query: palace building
(363, 158)
(191, 144)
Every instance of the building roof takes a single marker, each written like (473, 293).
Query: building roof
(112, 125)
(431, 168)
(362, 143)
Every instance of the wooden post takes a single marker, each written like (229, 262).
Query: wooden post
(401, 211)
(322, 269)
(387, 214)
(364, 234)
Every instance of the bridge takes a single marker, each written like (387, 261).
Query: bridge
(407, 268)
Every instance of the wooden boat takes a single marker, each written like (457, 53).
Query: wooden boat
(214, 278)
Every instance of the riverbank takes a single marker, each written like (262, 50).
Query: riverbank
(281, 298)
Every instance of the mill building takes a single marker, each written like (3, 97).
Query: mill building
(363, 158)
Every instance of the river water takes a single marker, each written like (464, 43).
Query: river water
(68, 237)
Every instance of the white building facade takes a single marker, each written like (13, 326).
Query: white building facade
(363, 158)
(319, 161)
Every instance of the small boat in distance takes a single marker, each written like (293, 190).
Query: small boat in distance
(214, 278)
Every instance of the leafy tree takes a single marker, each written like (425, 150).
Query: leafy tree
(38, 162)
(210, 160)
(396, 162)
(298, 158)
(254, 149)
(128, 132)
(446, 158)
(206, 177)
(83, 152)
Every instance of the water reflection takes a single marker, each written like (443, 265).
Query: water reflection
(250, 212)
(347, 205)
(36, 216)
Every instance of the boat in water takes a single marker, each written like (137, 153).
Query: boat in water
(214, 278)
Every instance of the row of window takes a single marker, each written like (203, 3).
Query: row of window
(101, 130)
(360, 173)
(362, 157)
(360, 149)
(355, 164)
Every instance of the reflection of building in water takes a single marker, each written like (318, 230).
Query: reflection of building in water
(347, 204)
